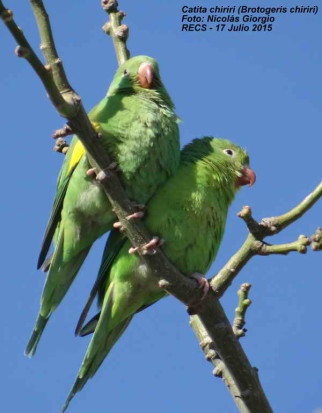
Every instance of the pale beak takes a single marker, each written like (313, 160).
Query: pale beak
(248, 177)
(146, 75)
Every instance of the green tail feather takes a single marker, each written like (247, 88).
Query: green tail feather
(92, 362)
(89, 328)
(36, 335)
(58, 281)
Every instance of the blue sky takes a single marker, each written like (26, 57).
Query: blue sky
(262, 91)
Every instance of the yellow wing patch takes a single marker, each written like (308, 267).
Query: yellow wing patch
(78, 152)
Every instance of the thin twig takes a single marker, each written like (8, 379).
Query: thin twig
(119, 32)
(254, 245)
(48, 47)
(240, 312)
(25, 50)
(294, 214)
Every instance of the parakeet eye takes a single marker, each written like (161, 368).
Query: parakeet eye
(229, 152)
(125, 72)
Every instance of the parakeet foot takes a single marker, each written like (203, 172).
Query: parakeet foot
(204, 285)
(91, 171)
(150, 247)
(113, 166)
(202, 282)
(135, 215)
(63, 132)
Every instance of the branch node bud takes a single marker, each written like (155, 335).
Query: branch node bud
(164, 284)
(122, 32)
(7, 15)
(21, 51)
(109, 5)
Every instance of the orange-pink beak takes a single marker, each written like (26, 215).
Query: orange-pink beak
(146, 75)
(248, 177)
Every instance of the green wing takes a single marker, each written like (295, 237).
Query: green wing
(113, 245)
(74, 154)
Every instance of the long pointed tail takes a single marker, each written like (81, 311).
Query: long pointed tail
(59, 279)
(36, 335)
(94, 358)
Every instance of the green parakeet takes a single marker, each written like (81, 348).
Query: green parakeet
(189, 212)
(139, 129)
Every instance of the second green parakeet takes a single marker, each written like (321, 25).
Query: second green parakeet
(189, 212)
(139, 130)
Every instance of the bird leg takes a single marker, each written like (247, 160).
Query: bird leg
(204, 285)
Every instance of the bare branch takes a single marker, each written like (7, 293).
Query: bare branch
(243, 303)
(119, 32)
(244, 384)
(25, 50)
(294, 214)
(48, 47)
(299, 246)
(254, 245)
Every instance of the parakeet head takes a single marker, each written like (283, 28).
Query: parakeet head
(226, 163)
(139, 72)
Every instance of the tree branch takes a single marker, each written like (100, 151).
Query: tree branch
(243, 303)
(119, 32)
(253, 244)
(48, 47)
(25, 50)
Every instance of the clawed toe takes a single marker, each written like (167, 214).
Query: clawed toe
(202, 282)
(204, 285)
(91, 172)
(150, 248)
(135, 215)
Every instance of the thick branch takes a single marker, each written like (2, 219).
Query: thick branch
(119, 32)
(230, 362)
(48, 46)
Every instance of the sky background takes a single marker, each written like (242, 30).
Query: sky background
(261, 90)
